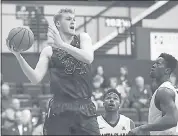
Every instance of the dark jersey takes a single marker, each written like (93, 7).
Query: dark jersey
(69, 77)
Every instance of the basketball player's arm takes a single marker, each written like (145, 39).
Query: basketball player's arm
(85, 54)
(37, 74)
(170, 113)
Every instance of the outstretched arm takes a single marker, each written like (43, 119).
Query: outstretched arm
(166, 98)
(37, 74)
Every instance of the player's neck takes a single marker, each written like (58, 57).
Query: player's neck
(164, 79)
(66, 38)
(112, 115)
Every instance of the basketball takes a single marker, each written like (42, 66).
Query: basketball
(21, 38)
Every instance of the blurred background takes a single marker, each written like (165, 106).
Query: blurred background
(127, 37)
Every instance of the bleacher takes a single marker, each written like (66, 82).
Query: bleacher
(27, 93)
(42, 93)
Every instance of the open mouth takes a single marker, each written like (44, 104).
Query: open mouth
(72, 27)
(111, 105)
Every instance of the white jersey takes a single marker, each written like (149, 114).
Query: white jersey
(156, 114)
(122, 126)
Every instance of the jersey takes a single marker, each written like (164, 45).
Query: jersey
(122, 126)
(69, 76)
(70, 81)
(156, 114)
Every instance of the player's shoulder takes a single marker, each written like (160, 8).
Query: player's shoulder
(47, 51)
(164, 92)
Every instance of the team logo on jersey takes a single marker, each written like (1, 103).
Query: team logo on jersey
(123, 128)
(71, 64)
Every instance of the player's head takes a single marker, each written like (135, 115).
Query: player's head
(65, 21)
(165, 64)
(112, 100)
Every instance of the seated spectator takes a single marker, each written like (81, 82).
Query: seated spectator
(97, 92)
(16, 128)
(38, 129)
(27, 122)
(35, 107)
(5, 97)
(140, 94)
(8, 115)
(102, 79)
(113, 82)
(123, 78)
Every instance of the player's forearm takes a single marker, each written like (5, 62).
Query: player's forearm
(164, 123)
(28, 71)
(79, 54)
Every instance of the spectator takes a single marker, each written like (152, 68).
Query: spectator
(27, 122)
(8, 116)
(6, 99)
(113, 82)
(38, 129)
(123, 78)
(98, 92)
(35, 107)
(16, 128)
(102, 79)
(16, 104)
(140, 94)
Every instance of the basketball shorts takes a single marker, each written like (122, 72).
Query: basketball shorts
(70, 123)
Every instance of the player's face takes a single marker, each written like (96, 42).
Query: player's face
(158, 69)
(67, 23)
(111, 102)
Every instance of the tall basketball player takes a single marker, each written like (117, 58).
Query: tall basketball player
(68, 58)
(112, 122)
(163, 111)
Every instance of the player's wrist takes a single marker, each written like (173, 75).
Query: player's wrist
(17, 55)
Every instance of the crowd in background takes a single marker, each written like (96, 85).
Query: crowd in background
(135, 94)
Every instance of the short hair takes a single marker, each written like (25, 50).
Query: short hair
(171, 61)
(61, 11)
(112, 91)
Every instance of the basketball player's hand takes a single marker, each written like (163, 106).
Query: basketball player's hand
(12, 48)
(55, 36)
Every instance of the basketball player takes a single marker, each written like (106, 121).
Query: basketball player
(113, 123)
(163, 111)
(68, 59)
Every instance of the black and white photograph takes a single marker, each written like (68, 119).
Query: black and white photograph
(89, 67)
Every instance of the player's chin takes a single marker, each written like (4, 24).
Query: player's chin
(152, 75)
(72, 32)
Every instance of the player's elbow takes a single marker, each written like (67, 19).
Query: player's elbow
(90, 58)
(174, 120)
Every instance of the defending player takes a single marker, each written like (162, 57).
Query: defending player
(163, 111)
(112, 122)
